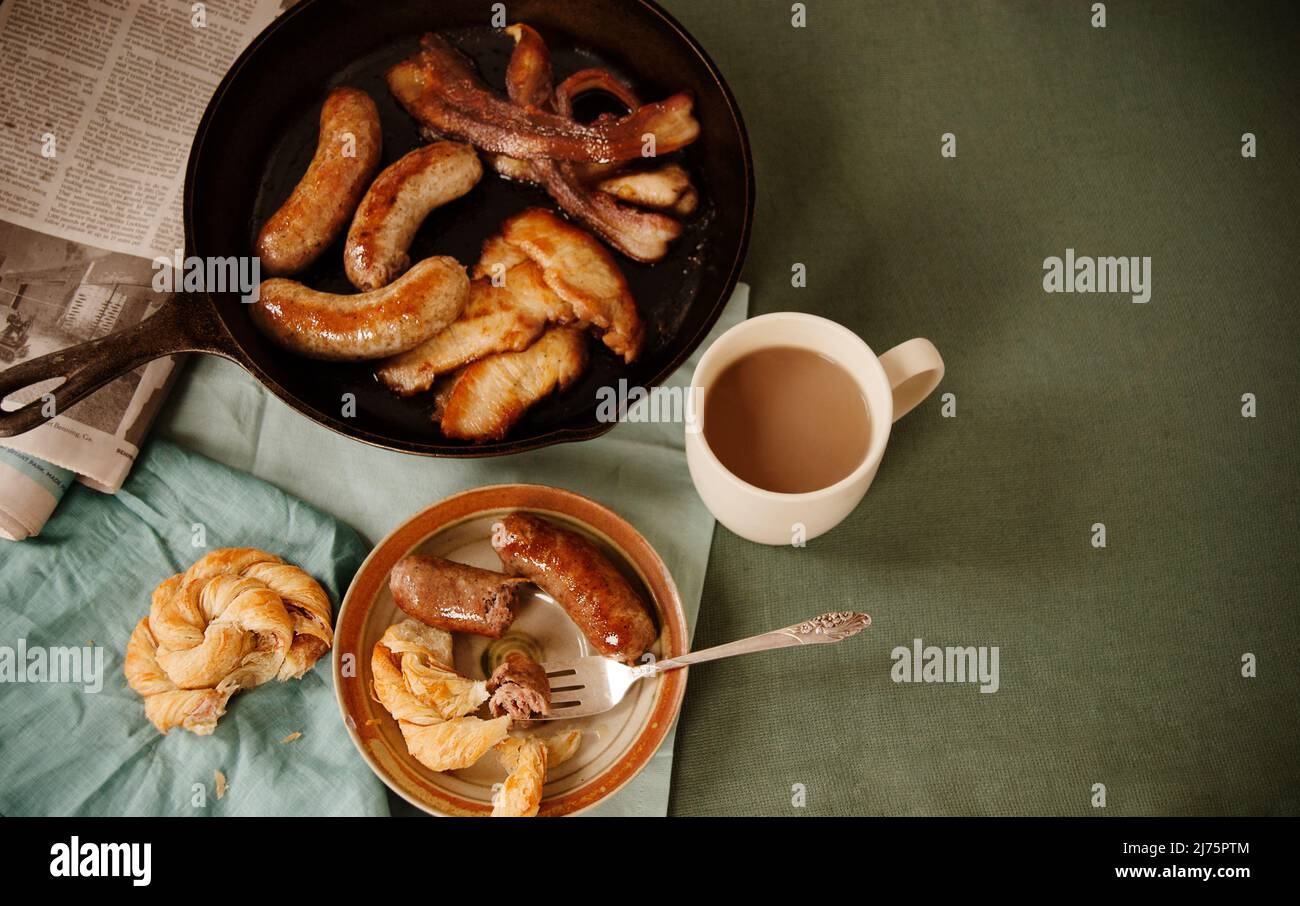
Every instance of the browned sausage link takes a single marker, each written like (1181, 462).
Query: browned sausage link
(360, 326)
(575, 573)
(395, 205)
(320, 206)
(519, 688)
(453, 596)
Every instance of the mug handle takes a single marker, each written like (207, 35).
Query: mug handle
(914, 369)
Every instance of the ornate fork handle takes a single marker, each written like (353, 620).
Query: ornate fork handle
(829, 627)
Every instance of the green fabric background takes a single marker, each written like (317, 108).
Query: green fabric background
(1118, 666)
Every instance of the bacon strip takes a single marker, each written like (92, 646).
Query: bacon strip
(641, 235)
(585, 80)
(440, 89)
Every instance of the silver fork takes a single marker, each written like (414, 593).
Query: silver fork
(591, 685)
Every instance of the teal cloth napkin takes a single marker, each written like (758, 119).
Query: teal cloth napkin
(637, 469)
(87, 579)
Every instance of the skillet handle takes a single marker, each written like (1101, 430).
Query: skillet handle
(185, 324)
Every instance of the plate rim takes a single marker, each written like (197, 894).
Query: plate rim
(461, 506)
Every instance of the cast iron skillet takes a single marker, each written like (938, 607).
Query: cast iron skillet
(259, 132)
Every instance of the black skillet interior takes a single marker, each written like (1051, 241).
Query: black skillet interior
(260, 133)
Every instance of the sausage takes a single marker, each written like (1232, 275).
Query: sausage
(519, 688)
(371, 325)
(453, 596)
(317, 210)
(576, 574)
(396, 204)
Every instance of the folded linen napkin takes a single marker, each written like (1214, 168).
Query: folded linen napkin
(84, 583)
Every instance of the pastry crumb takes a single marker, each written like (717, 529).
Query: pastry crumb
(291, 737)
(374, 721)
(221, 783)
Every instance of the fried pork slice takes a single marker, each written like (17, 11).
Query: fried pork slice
(519, 688)
(576, 266)
(497, 258)
(668, 188)
(641, 235)
(505, 318)
(490, 395)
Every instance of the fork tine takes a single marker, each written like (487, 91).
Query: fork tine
(582, 687)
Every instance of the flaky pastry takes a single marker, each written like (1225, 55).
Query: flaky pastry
(526, 760)
(237, 618)
(414, 681)
(434, 707)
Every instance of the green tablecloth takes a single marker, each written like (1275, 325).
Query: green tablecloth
(1119, 666)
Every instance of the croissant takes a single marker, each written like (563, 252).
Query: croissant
(237, 618)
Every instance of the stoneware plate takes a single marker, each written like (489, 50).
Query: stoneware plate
(615, 745)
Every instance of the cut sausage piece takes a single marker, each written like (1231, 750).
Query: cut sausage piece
(453, 596)
(489, 396)
(373, 325)
(519, 688)
(318, 209)
(576, 574)
(397, 202)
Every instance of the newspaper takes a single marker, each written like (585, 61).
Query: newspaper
(99, 101)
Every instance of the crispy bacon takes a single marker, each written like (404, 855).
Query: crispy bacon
(641, 235)
(439, 88)
(585, 80)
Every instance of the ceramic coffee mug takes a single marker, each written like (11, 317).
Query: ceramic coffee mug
(892, 385)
